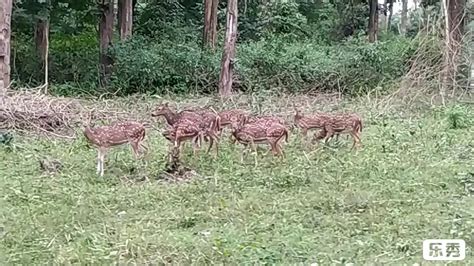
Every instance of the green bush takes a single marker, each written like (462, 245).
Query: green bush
(72, 59)
(146, 65)
(307, 66)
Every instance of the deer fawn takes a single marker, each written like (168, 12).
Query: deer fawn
(259, 133)
(342, 123)
(116, 134)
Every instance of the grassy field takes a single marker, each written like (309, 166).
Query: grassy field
(413, 180)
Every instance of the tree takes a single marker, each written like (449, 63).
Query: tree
(210, 23)
(125, 18)
(390, 13)
(454, 11)
(228, 56)
(42, 37)
(373, 18)
(106, 27)
(404, 18)
(5, 33)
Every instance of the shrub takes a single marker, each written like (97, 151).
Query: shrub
(71, 59)
(146, 65)
(141, 66)
(306, 66)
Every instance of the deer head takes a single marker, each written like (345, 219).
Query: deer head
(161, 109)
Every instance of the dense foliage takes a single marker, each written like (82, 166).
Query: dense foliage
(288, 45)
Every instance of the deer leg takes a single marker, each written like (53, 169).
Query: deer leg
(196, 143)
(304, 132)
(232, 139)
(135, 149)
(143, 146)
(329, 134)
(102, 159)
(319, 135)
(98, 161)
(273, 147)
(359, 140)
(355, 140)
(254, 147)
(243, 153)
(282, 153)
(216, 140)
(279, 148)
(211, 142)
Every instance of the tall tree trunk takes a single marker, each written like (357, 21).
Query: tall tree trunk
(125, 18)
(228, 56)
(106, 27)
(404, 18)
(470, 17)
(385, 14)
(5, 34)
(454, 11)
(373, 21)
(210, 23)
(42, 46)
(390, 13)
(134, 6)
(41, 37)
(119, 14)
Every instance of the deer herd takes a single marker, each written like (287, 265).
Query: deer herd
(205, 124)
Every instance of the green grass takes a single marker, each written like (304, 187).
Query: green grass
(323, 204)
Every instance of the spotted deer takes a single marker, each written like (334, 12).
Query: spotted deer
(172, 117)
(189, 130)
(202, 117)
(183, 131)
(350, 123)
(266, 120)
(307, 122)
(250, 134)
(105, 137)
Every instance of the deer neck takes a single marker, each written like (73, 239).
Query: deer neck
(298, 116)
(170, 117)
(88, 132)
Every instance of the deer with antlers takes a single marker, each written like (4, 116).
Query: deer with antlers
(119, 133)
(250, 134)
